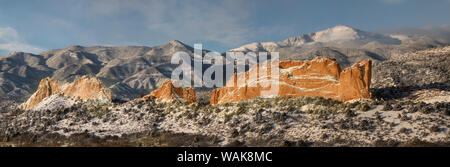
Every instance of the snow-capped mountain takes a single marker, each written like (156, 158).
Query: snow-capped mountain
(348, 45)
(339, 36)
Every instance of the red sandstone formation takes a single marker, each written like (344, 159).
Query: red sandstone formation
(47, 87)
(84, 88)
(318, 77)
(170, 93)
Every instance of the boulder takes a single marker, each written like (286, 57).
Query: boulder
(318, 77)
(168, 92)
(83, 88)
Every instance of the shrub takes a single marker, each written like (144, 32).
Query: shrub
(392, 124)
(241, 110)
(266, 128)
(227, 118)
(387, 107)
(405, 130)
(364, 107)
(291, 108)
(365, 125)
(435, 129)
(397, 107)
(258, 117)
(280, 117)
(242, 107)
(324, 136)
(413, 109)
(349, 113)
(320, 101)
(266, 104)
(378, 116)
(235, 133)
(16, 112)
(446, 112)
(426, 109)
(353, 105)
(302, 143)
(403, 117)
(216, 110)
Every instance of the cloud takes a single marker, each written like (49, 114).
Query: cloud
(439, 33)
(8, 34)
(191, 21)
(10, 41)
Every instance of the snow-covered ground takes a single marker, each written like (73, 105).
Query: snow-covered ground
(269, 119)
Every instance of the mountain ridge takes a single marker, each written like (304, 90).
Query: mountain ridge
(340, 33)
(116, 66)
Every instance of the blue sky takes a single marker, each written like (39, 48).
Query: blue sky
(34, 26)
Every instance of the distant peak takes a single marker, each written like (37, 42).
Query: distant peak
(339, 29)
(339, 32)
(342, 27)
(73, 47)
(334, 33)
(16, 53)
(176, 42)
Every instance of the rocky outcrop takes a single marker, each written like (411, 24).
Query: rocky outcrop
(46, 88)
(168, 92)
(354, 81)
(87, 88)
(84, 88)
(318, 77)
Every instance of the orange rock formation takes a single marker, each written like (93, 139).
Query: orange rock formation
(318, 77)
(47, 87)
(84, 88)
(87, 88)
(170, 93)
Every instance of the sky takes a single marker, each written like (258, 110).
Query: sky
(36, 26)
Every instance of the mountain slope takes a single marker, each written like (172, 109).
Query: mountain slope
(126, 70)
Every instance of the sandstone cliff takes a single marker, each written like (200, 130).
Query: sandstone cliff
(168, 92)
(318, 77)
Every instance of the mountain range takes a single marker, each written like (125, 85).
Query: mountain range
(131, 71)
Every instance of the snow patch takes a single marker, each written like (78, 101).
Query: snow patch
(54, 102)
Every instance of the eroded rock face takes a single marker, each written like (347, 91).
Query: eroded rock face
(168, 92)
(84, 88)
(354, 81)
(46, 88)
(87, 88)
(318, 77)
